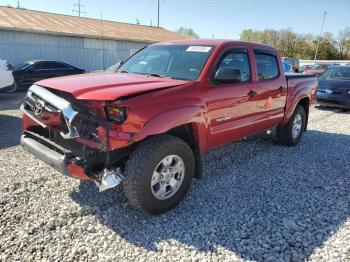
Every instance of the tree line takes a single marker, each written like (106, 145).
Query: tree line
(303, 46)
(294, 45)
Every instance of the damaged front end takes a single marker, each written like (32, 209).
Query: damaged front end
(77, 138)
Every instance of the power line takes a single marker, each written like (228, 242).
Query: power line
(79, 7)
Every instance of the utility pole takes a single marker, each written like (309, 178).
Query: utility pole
(158, 14)
(79, 7)
(319, 37)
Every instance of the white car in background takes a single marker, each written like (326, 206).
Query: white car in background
(7, 83)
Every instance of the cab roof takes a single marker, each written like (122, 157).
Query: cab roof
(213, 42)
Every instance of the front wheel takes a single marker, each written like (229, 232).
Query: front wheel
(291, 133)
(159, 174)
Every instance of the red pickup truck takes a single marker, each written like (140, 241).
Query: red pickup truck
(146, 125)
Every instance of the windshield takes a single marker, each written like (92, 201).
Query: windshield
(112, 68)
(338, 73)
(22, 66)
(175, 61)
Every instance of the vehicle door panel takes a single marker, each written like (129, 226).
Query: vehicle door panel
(270, 91)
(35, 73)
(229, 109)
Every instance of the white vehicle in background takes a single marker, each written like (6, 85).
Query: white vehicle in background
(7, 82)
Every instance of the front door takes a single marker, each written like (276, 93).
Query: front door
(229, 108)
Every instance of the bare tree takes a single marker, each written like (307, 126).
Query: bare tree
(344, 43)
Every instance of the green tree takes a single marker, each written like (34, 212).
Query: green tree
(188, 32)
(291, 44)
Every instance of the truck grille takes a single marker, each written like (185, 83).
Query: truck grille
(48, 109)
(37, 105)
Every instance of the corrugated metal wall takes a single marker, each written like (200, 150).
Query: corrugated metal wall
(87, 53)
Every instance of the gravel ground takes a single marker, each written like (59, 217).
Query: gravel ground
(257, 201)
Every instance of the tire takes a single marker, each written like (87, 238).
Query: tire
(285, 134)
(140, 173)
(14, 88)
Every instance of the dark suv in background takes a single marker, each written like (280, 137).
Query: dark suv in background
(27, 73)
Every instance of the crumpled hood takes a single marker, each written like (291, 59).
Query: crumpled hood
(108, 86)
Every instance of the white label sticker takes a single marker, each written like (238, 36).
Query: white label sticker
(197, 48)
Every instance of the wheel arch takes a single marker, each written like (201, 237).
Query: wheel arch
(186, 123)
(305, 103)
(302, 100)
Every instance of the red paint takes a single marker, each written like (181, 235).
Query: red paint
(77, 172)
(162, 104)
(107, 86)
(314, 71)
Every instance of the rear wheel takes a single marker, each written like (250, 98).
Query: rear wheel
(159, 174)
(291, 133)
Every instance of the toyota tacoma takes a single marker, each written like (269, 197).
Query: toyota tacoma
(145, 126)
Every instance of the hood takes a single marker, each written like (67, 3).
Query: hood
(108, 86)
(333, 84)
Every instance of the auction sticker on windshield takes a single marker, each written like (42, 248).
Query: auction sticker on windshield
(196, 48)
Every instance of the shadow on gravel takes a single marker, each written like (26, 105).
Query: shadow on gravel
(334, 109)
(11, 101)
(10, 131)
(256, 199)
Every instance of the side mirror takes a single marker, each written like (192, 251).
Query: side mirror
(228, 75)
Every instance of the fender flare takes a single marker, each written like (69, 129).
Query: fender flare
(170, 119)
(297, 97)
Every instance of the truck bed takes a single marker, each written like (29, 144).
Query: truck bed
(298, 75)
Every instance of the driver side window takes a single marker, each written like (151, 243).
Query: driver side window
(236, 59)
(37, 66)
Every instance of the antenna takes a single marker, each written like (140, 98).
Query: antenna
(319, 37)
(79, 7)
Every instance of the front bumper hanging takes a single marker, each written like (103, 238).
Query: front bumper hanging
(53, 155)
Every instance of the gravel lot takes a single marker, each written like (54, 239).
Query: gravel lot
(257, 201)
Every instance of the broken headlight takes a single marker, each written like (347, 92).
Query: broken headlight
(116, 114)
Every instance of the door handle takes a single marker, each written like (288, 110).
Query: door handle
(281, 88)
(252, 93)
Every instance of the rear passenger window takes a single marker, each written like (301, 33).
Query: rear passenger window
(266, 65)
(239, 60)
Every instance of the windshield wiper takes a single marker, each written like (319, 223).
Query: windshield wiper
(123, 72)
(161, 76)
(156, 75)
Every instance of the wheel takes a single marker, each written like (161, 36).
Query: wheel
(14, 88)
(291, 133)
(158, 173)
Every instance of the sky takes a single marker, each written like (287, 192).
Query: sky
(211, 18)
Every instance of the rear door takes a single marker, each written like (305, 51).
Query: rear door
(269, 93)
(228, 105)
